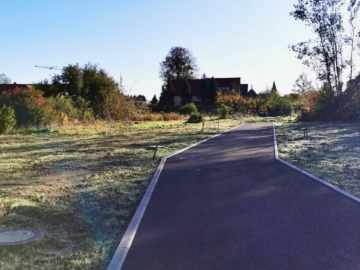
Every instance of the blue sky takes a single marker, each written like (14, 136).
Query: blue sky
(229, 38)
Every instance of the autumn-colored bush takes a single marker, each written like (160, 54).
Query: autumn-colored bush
(172, 116)
(232, 99)
(31, 108)
(147, 117)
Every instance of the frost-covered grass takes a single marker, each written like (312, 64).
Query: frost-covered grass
(81, 184)
(332, 152)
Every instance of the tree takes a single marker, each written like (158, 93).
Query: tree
(89, 85)
(274, 89)
(208, 93)
(154, 100)
(4, 79)
(154, 104)
(178, 64)
(302, 85)
(233, 100)
(166, 100)
(186, 93)
(324, 53)
(354, 34)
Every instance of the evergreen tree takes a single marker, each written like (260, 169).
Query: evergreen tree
(166, 100)
(273, 89)
(208, 91)
(186, 93)
(154, 100)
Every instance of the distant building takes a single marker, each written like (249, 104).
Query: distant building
(251, 93)
(140, 101)
(224, 84)
(12, 86)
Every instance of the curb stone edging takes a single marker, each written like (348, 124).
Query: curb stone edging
(327, 184)
(120, 254)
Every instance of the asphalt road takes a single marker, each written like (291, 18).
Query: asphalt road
(227, 204)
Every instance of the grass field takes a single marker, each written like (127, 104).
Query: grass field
(80, 185)
(332, 152)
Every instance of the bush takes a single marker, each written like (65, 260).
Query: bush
(64, 105)
(188, 109)
(172, 116)
(31, 108)
(223, 112)
(7, 119)
(196, 118)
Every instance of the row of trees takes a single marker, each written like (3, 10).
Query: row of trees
(90, 88)
(83, 93)
(330, 54)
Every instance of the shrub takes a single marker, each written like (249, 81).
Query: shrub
(188, 109)
(31, 108)
(7, 119)
(172, 116)
(223, 112)
(196, 118)
(64, 105)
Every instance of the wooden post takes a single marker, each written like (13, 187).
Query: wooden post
(155, 151)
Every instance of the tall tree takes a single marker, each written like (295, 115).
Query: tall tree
(353, 38)
(178, 64)
(186, 96)
(166, 100)
(4, 79)
(208, 93)
(325, 52)
(89, 85)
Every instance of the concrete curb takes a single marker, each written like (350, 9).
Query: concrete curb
(120, 254)
(344, 193)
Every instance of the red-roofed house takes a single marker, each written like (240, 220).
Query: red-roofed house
(224, 84)
(13, 86)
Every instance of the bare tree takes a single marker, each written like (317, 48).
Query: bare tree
(354, 35)
(4, 79)
(302, 85)
(325, 52)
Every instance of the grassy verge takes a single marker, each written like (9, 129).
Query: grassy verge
(332, 152)
(81, 184)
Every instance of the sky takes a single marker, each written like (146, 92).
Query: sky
(129, 38)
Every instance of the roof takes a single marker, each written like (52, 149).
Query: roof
(12, 86)
(195, 84)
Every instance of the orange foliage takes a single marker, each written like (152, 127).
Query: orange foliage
(233, 100)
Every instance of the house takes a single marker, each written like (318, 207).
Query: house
(224, 84)
(13, 86)
(140, 101)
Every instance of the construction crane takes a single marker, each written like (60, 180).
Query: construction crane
(49, 67)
